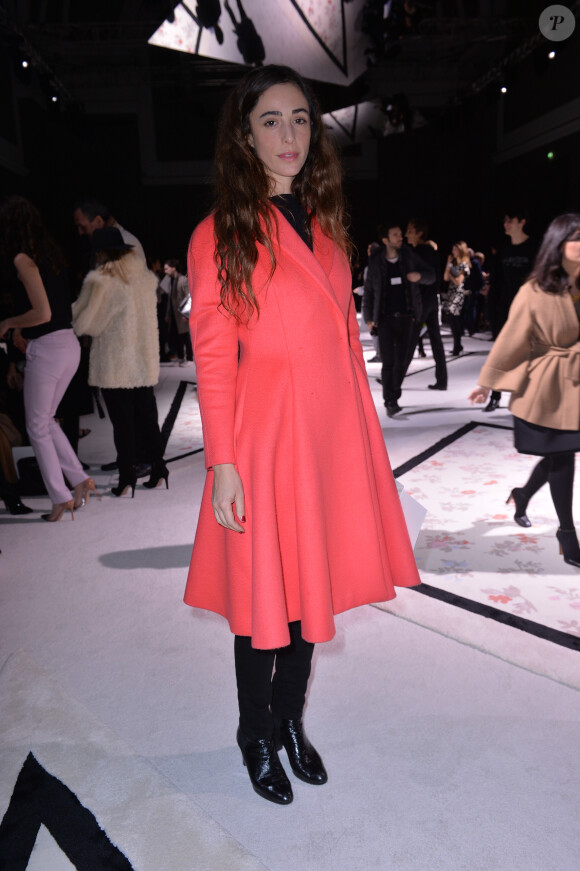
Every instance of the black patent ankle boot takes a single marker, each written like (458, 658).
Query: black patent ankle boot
(265, 769)
(569, 547)
(304, 760)
(520, 500)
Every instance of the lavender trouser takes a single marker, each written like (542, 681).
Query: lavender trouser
(51, 362)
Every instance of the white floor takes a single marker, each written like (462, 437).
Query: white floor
(439, 756)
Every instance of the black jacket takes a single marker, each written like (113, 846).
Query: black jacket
(377, 282)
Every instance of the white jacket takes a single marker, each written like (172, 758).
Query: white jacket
(122, 319)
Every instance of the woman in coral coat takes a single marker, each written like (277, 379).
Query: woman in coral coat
(536, 356)
(300, 517)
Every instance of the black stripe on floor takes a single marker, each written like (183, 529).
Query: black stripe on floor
(38, 799)
(572, 642)
(171, 417)
(442, 443)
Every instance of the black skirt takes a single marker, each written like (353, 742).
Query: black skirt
(541, 441)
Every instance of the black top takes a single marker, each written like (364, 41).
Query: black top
(290, 207)
(513, 266)
(394, 300)
(57, 291)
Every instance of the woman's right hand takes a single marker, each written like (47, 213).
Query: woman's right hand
(478, 395)
(227, 493)
(19, 341)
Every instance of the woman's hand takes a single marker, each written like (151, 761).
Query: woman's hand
(479, 395)
(14, 378)
(227, 493)
(19, 341)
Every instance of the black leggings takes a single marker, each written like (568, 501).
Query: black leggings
(263, 697)
(558, 471)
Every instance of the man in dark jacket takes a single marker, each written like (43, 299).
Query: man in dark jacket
(511, 269)
(391, 303)
(416, 235)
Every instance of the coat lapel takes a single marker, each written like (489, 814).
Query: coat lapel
(295, 255)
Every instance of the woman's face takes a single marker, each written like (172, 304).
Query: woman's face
(280, 134)
(571, 254)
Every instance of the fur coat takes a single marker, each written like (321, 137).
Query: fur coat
(122, 319)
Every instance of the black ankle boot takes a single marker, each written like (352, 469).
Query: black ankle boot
(265, 769)
(569, 547)
(518, 497)
(15, 506)
(159, 472)
(126, 479)
(304, 759)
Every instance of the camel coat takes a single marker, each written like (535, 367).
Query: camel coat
(122, 318)
(286, 398)
(537, 357)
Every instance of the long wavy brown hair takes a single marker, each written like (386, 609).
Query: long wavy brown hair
(243, 213)
(548, 270)
(23, 232)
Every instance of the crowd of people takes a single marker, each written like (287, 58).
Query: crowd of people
(408, 293)
(290, 428)
(126, 319)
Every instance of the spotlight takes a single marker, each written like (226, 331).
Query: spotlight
(503, 89)
(550, 155)
(24, 64)
(54, 98)
(551, 55)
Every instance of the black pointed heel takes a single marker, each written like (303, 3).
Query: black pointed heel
(304, 759)
(123, 486)
(521, 503)
(265, 769)
(569, 547)
(158, 474)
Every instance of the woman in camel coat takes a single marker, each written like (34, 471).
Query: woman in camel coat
(300, 517)
(537, 357)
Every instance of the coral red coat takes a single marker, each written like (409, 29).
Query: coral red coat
(286, 398)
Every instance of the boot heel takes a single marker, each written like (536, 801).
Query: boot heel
(265, 771)
(569, 547)
(520, 503)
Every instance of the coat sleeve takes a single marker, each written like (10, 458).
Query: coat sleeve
(354, 335)
(371, 289)
(416, 263)
(214, 336)
(181, 290)
(98, 305)
(506, 367)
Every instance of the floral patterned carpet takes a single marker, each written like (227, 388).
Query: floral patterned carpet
(470, 546)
